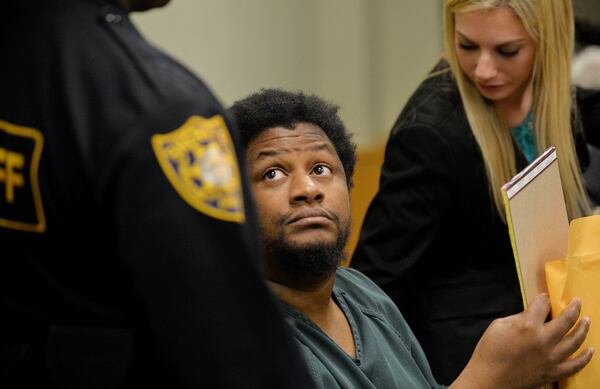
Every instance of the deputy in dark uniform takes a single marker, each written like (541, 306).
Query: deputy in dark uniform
(128, 238)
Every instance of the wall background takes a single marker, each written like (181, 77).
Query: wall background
(365, 55)
(588, 10)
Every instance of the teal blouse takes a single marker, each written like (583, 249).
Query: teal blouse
(525, 137)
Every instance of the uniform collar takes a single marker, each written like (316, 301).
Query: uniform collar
(116, 3)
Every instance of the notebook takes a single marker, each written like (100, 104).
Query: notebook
(537, 221)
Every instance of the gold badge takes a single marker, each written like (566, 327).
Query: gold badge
(200, 162)
(20, 198)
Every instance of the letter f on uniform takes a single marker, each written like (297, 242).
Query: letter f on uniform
(8, 173)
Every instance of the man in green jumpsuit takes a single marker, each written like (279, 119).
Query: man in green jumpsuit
(300, 159)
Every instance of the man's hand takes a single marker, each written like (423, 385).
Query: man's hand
(522, 351)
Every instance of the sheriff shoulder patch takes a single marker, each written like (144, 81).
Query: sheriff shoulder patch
(200, 162)
(20, 198)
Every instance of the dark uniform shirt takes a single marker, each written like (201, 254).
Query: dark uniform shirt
(128, 237)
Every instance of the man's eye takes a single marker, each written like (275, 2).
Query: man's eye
(273, 174)
(322, 170)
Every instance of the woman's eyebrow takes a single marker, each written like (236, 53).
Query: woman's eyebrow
(509, 42)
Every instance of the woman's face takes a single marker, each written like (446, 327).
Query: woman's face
(496, 53)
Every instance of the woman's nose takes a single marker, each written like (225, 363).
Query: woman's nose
(486, 68)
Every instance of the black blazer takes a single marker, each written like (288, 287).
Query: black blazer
(432, 238)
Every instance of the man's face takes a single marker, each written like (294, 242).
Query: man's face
(301, 194)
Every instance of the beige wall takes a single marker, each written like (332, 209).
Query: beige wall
(365, 55)
(588, 10)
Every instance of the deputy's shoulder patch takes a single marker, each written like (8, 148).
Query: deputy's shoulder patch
(199, 160)
(20, 198)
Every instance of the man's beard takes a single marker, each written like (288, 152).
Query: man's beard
(303, 265)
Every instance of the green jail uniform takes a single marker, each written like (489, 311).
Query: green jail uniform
(387, 353)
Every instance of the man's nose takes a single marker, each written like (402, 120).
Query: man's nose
(305, 189)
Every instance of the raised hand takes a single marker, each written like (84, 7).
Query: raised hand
(523, 351)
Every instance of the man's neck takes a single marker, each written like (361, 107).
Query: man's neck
(318, 305)
(313, 302)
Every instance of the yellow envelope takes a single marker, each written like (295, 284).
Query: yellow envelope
(579, 276)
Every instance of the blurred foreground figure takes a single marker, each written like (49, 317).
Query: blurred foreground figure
(134, 260)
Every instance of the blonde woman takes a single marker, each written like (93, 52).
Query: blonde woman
(434, 237)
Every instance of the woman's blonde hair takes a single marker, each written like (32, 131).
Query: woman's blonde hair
(550, 24)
